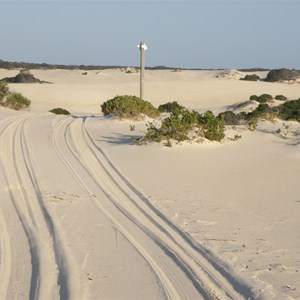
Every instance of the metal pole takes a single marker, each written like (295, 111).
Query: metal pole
(142, 68)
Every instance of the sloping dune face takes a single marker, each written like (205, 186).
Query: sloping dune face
(86, 214)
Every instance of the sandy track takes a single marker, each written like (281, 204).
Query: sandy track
(184, 269)
(35, 263)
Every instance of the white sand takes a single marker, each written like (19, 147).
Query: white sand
(77, 199)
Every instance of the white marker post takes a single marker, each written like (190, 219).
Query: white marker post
(142, 46)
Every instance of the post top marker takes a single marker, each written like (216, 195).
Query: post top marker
(142, 45)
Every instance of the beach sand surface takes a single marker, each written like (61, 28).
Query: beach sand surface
(86, 214)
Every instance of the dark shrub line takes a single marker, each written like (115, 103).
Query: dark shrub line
(183, 124)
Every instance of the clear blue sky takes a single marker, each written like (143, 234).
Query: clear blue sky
(191, 34)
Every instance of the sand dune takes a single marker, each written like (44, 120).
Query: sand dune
(84, 214)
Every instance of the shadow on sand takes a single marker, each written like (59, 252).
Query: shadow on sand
(290, 139)
(117, 139)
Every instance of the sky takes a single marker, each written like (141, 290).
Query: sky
(188, 34)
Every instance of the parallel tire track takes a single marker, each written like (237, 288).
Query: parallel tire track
(213, 268)
(184, 269)
(44, 262)
(14, 250)
(65, 148)
(54, 243)
(34, 262)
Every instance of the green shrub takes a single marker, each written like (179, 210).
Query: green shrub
(177, 127)
(264, 108)
(3, 90)
(170, 107)
(16, 101)
(252, 123)
(282, 75)
(280, 97)
(263, 111)
(264, 98)
(180, 125)
(59, 111)
(230, 118)
(213, 126)
(253, 97)
(252, 77)
(129, 107)
(24, 76)
(289, 110)
(183, 124)
(153, 134)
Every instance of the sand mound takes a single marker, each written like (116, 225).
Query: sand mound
(283, 75)
(247, 106)
(23, 77)
(130, 70)
(231, 74)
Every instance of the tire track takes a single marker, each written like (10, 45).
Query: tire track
(208, 265)
(60, 259)
(182, 268)
(17, 250)
(216, 270)
(121, 201)
(5, 250)
(45, 260)
(67, 277)
(200, 278)
(69, 156)
(159, 262)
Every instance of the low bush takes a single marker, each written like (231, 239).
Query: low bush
(129, 107)
(263, 111)
(177, 127)
(289, 110)
(280, 97)
(264, 108)
(253, 97)
(252, 77)
(264, 98)
(230, 118)
(282, 75)
(183, 124)
(252, 123)
(16, 101)
(13, 100)
(213, 126)
(24, 76)
(170, 107)
(3, 90)
(59, 111)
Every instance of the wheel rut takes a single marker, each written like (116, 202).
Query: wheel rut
(34, 260)
(184, 268)
(37, 249)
